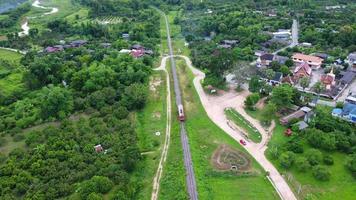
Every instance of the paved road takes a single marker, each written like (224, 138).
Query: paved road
(157, 177)
(295, 39)
(190, 177)
(215, 109)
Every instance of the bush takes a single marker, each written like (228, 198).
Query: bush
(321, 173)
(94, 196)
(251, 101)
(302, 164)
(351, 164)
(97, 184)
(328, 160)
(287, 159)
(314, 156)
(294, 146)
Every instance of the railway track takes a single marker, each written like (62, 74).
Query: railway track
(190, 177)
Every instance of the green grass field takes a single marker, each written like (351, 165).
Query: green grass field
(239, 120)
(10, 56)
(341, 184)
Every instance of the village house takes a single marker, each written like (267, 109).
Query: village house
(348, 112)
(305, 112)
(328, 79)
(313, 61)
(54, 49)
(302, 70)
(78, 43)
(125, 36)
(227, 44)
(282, 34)
(264, 60)
(351, 59)
(277, 79)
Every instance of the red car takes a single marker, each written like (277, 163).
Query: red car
(243, 142)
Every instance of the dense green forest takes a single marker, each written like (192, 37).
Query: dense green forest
(70, 101)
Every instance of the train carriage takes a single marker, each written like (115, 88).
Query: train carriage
(181, 116)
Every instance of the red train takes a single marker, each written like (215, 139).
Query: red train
(181, 116)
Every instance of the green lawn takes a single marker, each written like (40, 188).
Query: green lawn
(239, 120)
(204, 138)
(341, 184)
(10, 55)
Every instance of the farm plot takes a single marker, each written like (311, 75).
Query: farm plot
(108, 20)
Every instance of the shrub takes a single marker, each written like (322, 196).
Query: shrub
(287, 159)
(302, 164)
(351, 164)
(251, 101)
(295, 146)
(328, 160)
(321, 173)
(314, 156)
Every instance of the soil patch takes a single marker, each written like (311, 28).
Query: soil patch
(154, 83)
(226, 158)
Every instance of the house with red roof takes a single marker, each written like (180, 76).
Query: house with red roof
(137, 53)
(313, 61)
(328, 79)
(302, 69)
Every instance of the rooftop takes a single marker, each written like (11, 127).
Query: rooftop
(267, 56)
(307, 57)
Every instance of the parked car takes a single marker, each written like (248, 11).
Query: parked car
(243, 142)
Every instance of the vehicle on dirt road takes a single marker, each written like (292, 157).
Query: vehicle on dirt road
(243, 142)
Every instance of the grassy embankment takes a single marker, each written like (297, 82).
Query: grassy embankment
(341, 183)
(240, 121)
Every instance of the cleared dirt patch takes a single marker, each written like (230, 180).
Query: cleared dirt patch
(155, 83)
(226, 158)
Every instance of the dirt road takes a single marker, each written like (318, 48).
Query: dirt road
(215, 106)
(157, 177)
